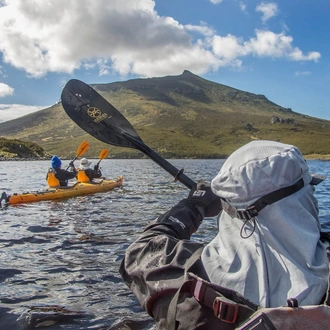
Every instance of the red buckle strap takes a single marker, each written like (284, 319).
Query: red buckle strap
(225, 311)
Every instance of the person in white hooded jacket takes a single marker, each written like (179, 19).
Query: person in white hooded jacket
(269, 251)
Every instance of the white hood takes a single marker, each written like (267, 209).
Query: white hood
(283, 258)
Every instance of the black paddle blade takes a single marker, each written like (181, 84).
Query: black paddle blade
(89, 110)
(99, 118)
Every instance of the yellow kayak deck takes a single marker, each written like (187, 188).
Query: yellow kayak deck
(78, 189)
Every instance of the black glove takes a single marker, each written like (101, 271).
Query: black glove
(201, 196)
(96, 167)
(71, 164)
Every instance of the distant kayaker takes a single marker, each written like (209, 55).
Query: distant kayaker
(269, 250)
(57, 176)
(87, 174)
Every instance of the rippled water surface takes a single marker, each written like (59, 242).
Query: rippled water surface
(59, 260)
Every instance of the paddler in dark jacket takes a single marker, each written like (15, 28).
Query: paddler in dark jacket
(268, 251)
(87, 174)
(57, 176)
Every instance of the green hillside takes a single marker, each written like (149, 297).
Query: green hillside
(181, 116)
(13, 149)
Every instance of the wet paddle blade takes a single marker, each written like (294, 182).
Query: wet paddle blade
(82, 149)
(95, 115)
(103, 154)
(99, 118)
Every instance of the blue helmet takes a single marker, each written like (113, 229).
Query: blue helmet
(55, 162)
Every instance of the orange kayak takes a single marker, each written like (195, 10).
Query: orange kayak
(78, 189)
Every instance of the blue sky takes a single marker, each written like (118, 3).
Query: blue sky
(276, 48)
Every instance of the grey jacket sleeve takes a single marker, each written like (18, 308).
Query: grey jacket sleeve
(154, 265)
(160, 263)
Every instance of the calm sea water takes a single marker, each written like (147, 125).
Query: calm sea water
(59, 260)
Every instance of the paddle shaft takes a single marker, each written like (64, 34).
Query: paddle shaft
(178, 174)
(99, 118)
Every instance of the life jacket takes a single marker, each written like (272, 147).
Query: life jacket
(82, 176)
(234, 311)
(52, 180)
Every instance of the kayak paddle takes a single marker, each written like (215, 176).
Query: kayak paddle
(99, 118)
(81, 150)
(103, 154)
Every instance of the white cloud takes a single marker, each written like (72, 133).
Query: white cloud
(12, 111)
(228, 48)
(202, 29)
(302, 73)
(215, 1)
(265, 44)
(62, 35)
(270, 44)
(124, 37)
(6, 90)
(242, 5)
(297, 55)
(268, 10)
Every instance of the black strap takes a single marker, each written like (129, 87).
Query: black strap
(171, 313)
(254, 209)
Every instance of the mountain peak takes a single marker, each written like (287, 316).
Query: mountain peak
(186, 73)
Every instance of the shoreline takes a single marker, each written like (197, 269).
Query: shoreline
(18, 159)
(317, 157)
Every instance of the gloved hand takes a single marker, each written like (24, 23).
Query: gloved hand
(201, 195)
(71, 164)
(96, 167)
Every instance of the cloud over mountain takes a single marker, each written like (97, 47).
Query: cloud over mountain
(126, 37)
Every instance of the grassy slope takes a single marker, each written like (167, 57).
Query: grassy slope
(178, 116)
(16, 148)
